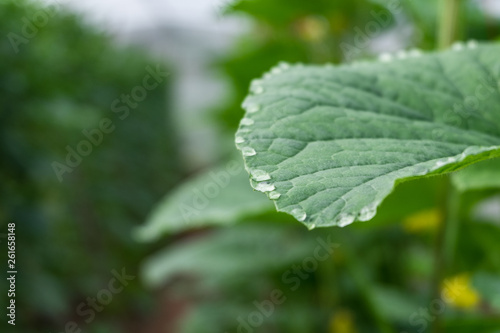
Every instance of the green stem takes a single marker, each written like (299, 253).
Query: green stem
(446, 243)
(448, 24)
(328, 293)
(452, 221)
(356, 270)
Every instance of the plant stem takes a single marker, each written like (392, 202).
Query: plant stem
(446, 243)
(364, 285)
(328, 293)
(448, 24)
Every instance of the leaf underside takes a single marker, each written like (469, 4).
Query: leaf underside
(329, 143)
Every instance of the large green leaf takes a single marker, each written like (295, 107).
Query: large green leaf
(330, 143)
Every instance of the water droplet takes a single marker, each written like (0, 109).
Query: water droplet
(265, 187)
(284, 65)
(439, 164)
(472, 44)
(415, 53)
(252, 108)
(385, 57)
(256, 82)
(248, 151)
(457, 46)
(276, 70)
(257, 90)
(444, 162)
(299, 214)
(345, 219)
(367, 213)
(311, 226)
(274, 195)
(402, 54)
(239, 139)
(260, 175)
(247, 122)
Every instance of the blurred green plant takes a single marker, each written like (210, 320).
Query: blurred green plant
(236, 264)
(384, 276)
(292, 31)
(72, 234)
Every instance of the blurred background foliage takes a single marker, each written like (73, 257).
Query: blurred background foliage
(72, 234)
(204, 271)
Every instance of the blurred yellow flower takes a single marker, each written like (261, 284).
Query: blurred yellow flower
(338, 22)
(338, 256)
(458, 291)
(313, 28)
(427, 220)
(342, 322)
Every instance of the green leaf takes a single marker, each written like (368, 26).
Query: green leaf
(224, 255)
(216, 316)
(220, 196)
(487, 209)
(471, 324)
(394, 304)
(334, 141)
(482, 175)
(488, 286)
(407, 199)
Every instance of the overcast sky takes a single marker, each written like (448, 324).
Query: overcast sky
(202, 19)
(131, 15)
(194, 32)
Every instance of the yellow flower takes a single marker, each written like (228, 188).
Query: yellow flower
(342, 322)
(427, 220)
(312, 28)
(338, 22)
(458, 291)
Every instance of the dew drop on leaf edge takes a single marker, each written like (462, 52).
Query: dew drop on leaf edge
(265, 187)
(253, 108)
(299, 214)
(247, 122)
(274, 195)
(345, 220)
(248, 151)
(260, 175)
(367, 213)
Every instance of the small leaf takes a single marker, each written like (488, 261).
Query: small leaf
(487, 210)
(336, 140)
(393, 303)
(219, 196)
(224, 255)
(488, 285)
(482, 175)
